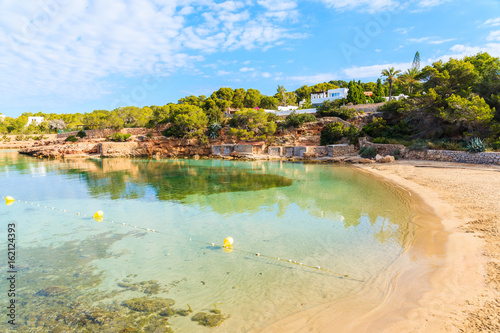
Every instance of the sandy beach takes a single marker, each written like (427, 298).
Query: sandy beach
(450, 276)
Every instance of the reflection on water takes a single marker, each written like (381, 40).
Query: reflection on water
(332, 216)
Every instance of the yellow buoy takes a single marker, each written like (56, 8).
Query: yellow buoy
(228, 244)
(228, 241)
(9, 200)
(98, 216)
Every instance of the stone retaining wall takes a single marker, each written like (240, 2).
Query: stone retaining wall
(339, 150)
(454, 156)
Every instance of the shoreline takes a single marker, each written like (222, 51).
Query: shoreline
(449, 290)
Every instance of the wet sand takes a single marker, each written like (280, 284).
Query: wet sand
(448, 280)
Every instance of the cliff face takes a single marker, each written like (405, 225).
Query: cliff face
(156, 147)
(149, 142)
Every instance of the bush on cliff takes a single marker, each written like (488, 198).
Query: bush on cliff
(118, 137)
(71, 138)
(331, 109)
(187, 124)
(295, 120)
(334, 132)
(256, 121)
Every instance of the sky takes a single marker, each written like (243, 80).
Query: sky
(68, 56)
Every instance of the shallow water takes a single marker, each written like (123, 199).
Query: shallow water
(322, 215)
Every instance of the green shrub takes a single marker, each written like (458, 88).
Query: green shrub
(396, 153)
(333, 109)
(204, 140)
(149, 135)
(295, 120)
(71, 138)
(332, 133)
(252, 120)
(241, 133)
(420, 145)
(341, 112)
(380, 140)
(5, 138)
(190, 123)
(81, 134)
(378, 99)
(476, 145)
(20, 137)
(118, 137)
(376, 128)
(495, 145)
(367, 152)
(352, 134)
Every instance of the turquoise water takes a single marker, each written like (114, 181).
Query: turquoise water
(322, 215)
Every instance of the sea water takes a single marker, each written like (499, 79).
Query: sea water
(334, 217)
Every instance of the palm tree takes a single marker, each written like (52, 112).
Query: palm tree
(410, 77)
(391, 75)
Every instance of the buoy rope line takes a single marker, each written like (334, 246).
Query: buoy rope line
(98, 216)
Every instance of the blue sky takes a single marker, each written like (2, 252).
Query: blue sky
(78, 56)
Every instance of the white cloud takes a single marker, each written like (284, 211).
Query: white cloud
(441, 41)
(460, 51)
(403, 31)
(431, 3)
(309, 79)
(493, 22)
(71, 50)
(364, 5)
(223, 73)
(372, 71)
(246, 69)
(494, 36)
(430, 40)
(280, 9)
(419, 40)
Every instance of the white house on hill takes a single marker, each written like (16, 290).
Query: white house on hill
(2, 117)
(319, 97)
(35, 121)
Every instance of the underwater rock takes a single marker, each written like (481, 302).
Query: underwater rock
(148, 305)
(129, 330)
(151, 287)
(168, 312)
(52, 291)
(210, 320)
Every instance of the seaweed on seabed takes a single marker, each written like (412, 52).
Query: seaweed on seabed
(66, 300)
(144, 304)
(215, 318)
(184, 313)
(151, 287)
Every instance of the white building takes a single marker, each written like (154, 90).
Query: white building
(287, 108)
(35, 121)
(396, 98)
(319, 97)
(2, 117)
